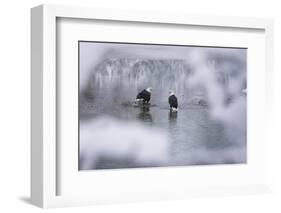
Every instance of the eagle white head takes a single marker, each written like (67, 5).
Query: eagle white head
(171, 92)
(149, 89)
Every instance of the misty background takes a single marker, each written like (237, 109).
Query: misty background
(210, 127)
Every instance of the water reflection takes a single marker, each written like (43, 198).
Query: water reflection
(144, 114)
(173, 116)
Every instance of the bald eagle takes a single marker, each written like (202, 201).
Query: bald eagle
(173, 101)
(144, 95)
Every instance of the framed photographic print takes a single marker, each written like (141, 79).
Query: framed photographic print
(132, 106)
(149, 105)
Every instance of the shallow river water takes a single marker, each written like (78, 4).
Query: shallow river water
(194, 138)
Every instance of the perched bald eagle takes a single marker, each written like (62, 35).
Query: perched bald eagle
(173, 101)
(144, 95)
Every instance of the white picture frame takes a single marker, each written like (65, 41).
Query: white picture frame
(44, 150)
